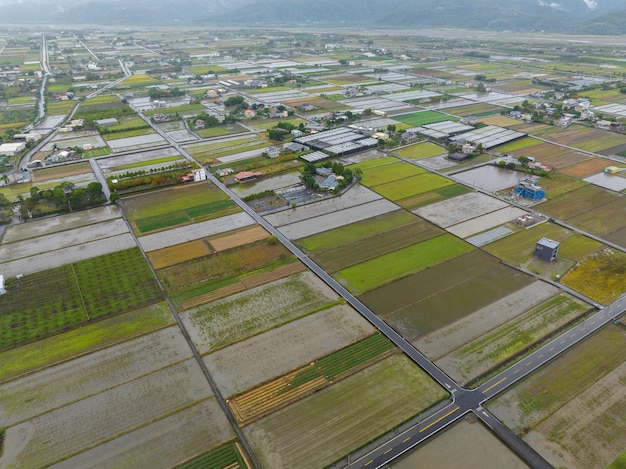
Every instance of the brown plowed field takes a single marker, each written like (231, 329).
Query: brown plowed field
(245, 236)
(587, 168)
(172, 255)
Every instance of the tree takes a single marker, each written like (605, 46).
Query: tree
(34, 193)
(524, 160)
(275, 134)
(94, 190)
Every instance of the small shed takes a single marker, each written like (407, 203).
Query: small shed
(547, 249)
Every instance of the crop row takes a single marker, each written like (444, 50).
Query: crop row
(189, 215)
(48, 302)
(226, 456)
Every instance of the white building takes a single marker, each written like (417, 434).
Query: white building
(12, 149)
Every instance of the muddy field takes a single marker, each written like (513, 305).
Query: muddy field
(286, 348)
(337, 219)
(245, 314)
(459, 209)
(484, 222)
(573, 411)
(59, 257)
(475, 325)
(356, 195)
(200, 230)
(76, 379)
(324, 427)
(93, 420)
(465, 444)
(40, 227)
(163, 443)
(135, 143)
(60, 172)
(60, 240)
(500, 344)
(109, 163)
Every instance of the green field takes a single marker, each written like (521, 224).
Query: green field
(375, 245)
(424, 117)
(140, 164)
(171, 200)
(422, 150)
(190, 215)
(378, 162)
(388, 173)
(336, 238)
(389, 267)
(412, 186)
(427, 198)
(224, 457)
(100, 334)
(519, 247)
(518, 144)
(51, 301)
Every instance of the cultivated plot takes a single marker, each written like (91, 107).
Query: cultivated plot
(286, 348)
(459, 209)
(223, 322)
(183, 234)
(337, 219)
(465, 444)
(344, 416)
(93, 420)
(164, 443)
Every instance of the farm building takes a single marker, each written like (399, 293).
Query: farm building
(246, 176)
(547, 249)
(529, 189)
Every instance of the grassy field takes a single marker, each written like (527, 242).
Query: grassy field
(601, 277)
(139, 80)
(411, 186)
(423, 117)
(422, 150)
(427, 198)
(519, 144)
(518, 248)
(603, 220)
(388, 173)
(376, 245)
(51, 301)
(265, 399)
(174, 199)
(100, 334)
(385, 395)
(336, 238)
(577, 201)
(63, 171)
(558, 184)
(389, 267)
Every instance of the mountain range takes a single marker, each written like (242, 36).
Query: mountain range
(563, 16)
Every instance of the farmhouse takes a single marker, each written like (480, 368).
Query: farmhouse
(547, 249)
(246, 176)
